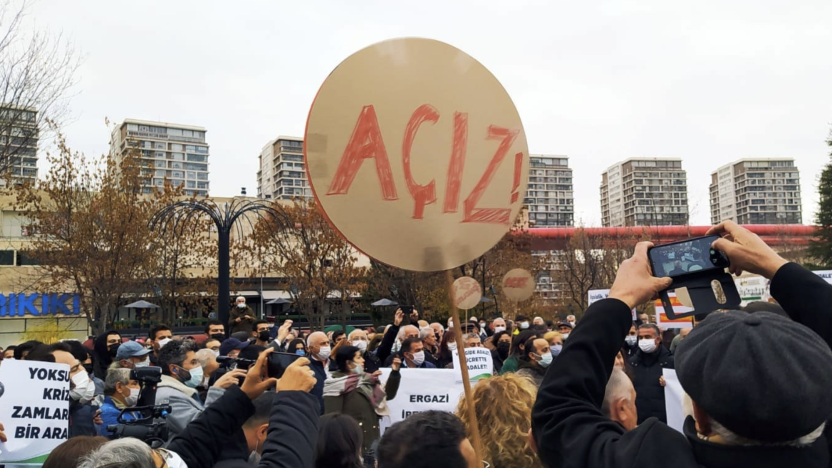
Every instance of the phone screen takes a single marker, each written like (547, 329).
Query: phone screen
(278, 362)
(691, 256)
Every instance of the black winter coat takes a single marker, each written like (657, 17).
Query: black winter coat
(290, 443)
(571, 431)
(645, 370)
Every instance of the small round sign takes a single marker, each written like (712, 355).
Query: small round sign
(416, 154)
(467, 293)
(518, 285)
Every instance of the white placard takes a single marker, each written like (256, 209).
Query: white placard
(422, 390)
(480, 363)
(34, 408)
(596, 295)
(825, 274)
(673, 397)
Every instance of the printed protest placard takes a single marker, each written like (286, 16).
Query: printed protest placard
(480, 363)
(467, 293)
(663, 321)
(673, 398)
(34, 408)
(596, 295)
(416, 154)
(422, 390)
(518, 285)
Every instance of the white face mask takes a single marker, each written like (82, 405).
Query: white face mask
(572, 323)
(241, 306)
(132, 398)
(418, 358)
(324, 352)
(163, 342)
(631, 340)
(216, 353)
(545, 360)
(564, 335)
(524, 325)
(452, 346)
(84, 390)
(647, 345)
(362, 345)
(482, 325)
(139, 365)
(499, 329)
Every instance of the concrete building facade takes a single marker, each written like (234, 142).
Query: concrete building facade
(644, 192)
(172, 152)
(756, 191)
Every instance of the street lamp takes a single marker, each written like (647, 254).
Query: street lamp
(225, 218)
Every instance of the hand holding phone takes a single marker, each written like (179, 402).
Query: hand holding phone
(686, 257)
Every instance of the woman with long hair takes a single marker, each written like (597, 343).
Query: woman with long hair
(503, 405)
(104, 352)
(340, 442)
(517, 344)
(446, 355)
(353, 392)
(502, 346)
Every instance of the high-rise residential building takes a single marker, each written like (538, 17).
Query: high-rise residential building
(644, 192)
(172, 152)
(549, 196)
(756, 191)
(282, 173)
(18, 143)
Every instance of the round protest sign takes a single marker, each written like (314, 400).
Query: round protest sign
(467, 293)
(518, 285)
(416, 154)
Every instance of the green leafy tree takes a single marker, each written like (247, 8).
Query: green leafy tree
(821, 247)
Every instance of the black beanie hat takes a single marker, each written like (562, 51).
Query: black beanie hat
(762, 376)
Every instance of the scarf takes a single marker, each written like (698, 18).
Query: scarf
(365, 384)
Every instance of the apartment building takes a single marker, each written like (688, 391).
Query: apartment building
(172, 152)
(18, 143)
(644, 192)
(282, 174)
(756, 191)
(549, 197)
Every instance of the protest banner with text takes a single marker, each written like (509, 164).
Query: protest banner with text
(423, 390)
(480, 363)
(34, 408)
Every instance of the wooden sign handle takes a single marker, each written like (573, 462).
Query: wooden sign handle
(463, 366)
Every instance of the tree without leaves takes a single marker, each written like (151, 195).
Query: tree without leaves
(312, 256)
(37, 72)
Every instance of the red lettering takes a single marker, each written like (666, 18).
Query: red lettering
(518, 168)
(422, 194)
(458, 150)
(365, 143)
(472, 214)
(516, 282)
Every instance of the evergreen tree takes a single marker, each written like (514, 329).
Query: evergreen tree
(821, 247)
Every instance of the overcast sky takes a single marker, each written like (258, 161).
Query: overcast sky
(709, 82)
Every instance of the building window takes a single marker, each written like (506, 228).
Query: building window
(24, 259)
(7, 257)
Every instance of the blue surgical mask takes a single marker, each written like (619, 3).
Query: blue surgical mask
(556, 349)
(300, 352)
(196, 377)
(545, 360)
(359, 369)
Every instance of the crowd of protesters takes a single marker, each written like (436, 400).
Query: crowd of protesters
(567, 394)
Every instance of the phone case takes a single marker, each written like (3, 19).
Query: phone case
(701, 291)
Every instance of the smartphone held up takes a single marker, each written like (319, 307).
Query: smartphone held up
(686, 257)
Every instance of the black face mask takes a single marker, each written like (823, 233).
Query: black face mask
(264, 335)
(88, 368)
(113, 349)
(218, 336)
(502, 350)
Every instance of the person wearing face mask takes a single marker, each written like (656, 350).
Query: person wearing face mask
(214, 345)
(360, 340)
(500, 353)
(241, 317)
(83, 416)
(158, 336)
(518, 344)
(119, 392)
(572, 320)
(537, 356)
(132, 355)
(497, 325)
(319, 350)
(413, 352)
(445, 360)
(208, 360)
(83, 356)
(215, 330)
(359, 394)
(565, 328)
(555, 340)
(646, 367)
(181, 375)
(104, 352)
(522, 324)
(261, 332)
(630, 342)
